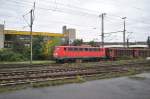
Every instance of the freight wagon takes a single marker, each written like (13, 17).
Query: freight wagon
(142, 53)
(120, 52)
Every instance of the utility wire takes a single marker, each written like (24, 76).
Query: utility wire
(58, 10)
(25, 18)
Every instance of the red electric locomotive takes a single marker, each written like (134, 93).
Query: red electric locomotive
(73, 53)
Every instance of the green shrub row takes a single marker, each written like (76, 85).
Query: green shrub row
(9, 55)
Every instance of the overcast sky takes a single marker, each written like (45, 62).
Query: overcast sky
(83, 15)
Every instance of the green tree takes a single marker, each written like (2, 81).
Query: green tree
(77, 42)
(38, 48)
(92, 43)
(20, 48)
(50, 45)
(148, 42)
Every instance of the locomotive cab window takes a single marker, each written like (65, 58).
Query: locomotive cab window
(97, 49)
(90, 49)
(70, 49)
(94, 49)
(80, 49)
(86, 49)
(75, 49)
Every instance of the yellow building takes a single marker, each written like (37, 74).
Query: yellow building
(11, 35)
(27, 33)
(8, 36)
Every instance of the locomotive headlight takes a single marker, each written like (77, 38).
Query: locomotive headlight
(55, 54)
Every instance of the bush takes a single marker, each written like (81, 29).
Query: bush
(38, 44)
(126, 58)
(8, 55)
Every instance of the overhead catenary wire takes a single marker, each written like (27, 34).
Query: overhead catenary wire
(29, 3)
(26, 20)
(23, 4)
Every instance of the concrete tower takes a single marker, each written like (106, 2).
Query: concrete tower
(71, 35)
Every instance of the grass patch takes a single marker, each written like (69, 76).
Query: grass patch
(107, 76)
(91, 64)
(12, 88)
(28, 62)
(77, 79)
(137, 78)
(24, 64)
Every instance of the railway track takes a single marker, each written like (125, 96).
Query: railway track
(31, 75)
(58, 69)
(16, 67)
(28, 66)
(51, 76)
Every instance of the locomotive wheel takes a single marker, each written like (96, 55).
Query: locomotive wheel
(59, 61)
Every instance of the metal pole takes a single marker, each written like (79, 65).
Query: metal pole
(4, 29)
(102, 29)
(124, 32)
(127, 42)
(4, 35)
(31, 23)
